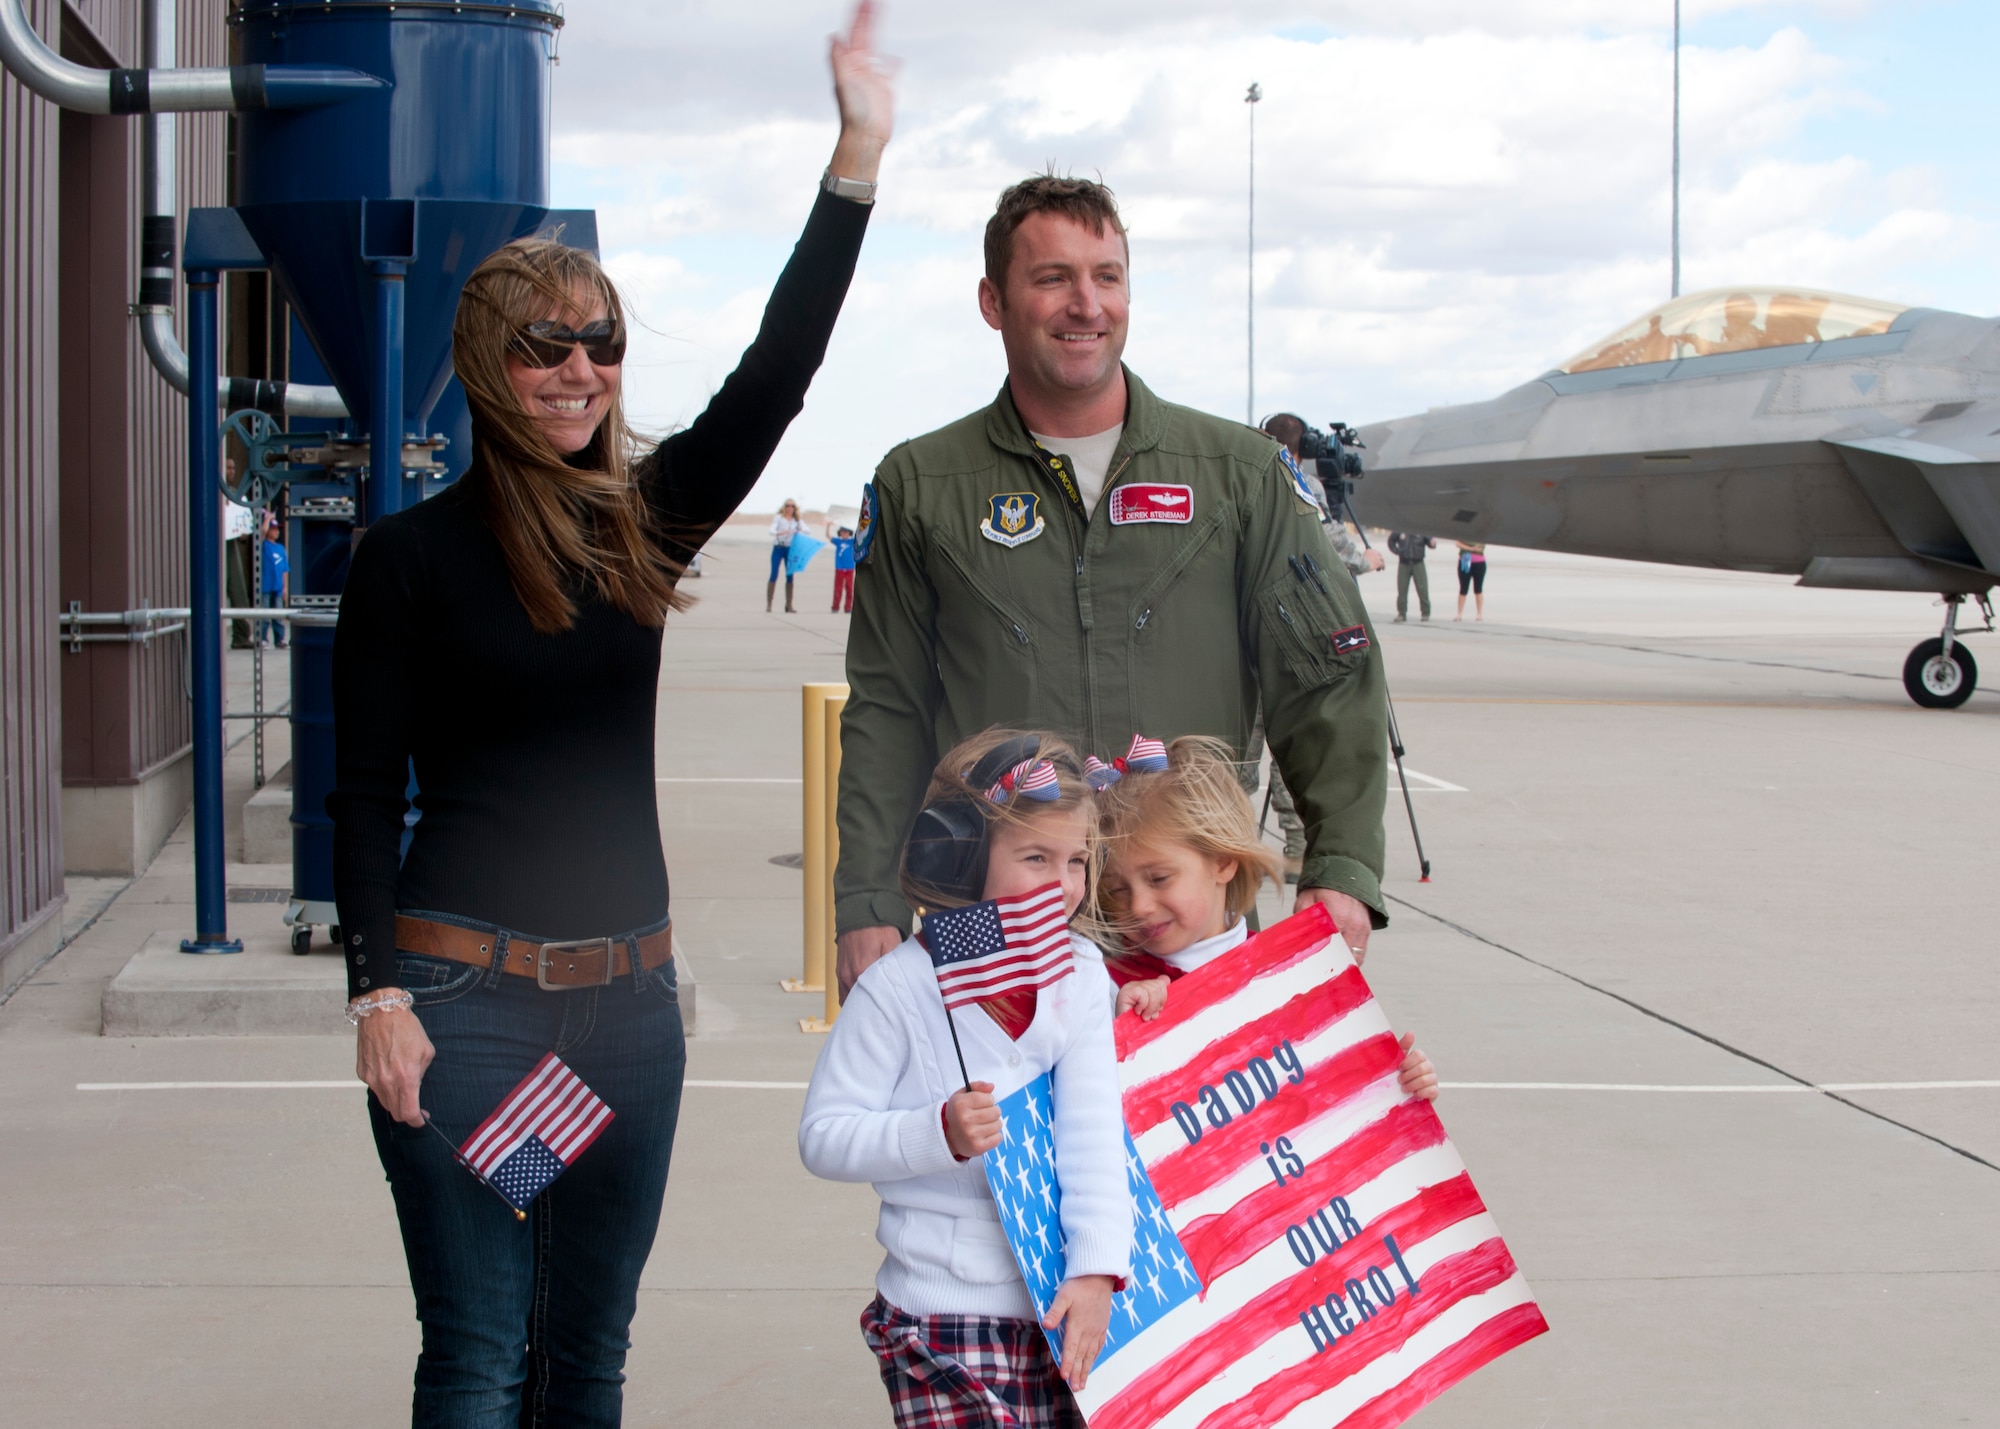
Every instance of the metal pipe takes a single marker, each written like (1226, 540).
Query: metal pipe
(385, 447)
(162, 88)
(158, 223)
(211, 914)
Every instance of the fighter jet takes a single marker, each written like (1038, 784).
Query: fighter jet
(1850, 442)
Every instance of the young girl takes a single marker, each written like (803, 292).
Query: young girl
(1183, 867)
(952, 1322)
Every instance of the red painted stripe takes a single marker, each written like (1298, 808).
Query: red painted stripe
(1442, 1286)
(1434, 1376)
(1278, 946)
(1311, 1012)
(1276, 1311)
(1219, 1243)
(1225, 1150)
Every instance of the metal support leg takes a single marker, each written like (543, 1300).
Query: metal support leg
(385, 423)
(211, 916)
(1951, 605)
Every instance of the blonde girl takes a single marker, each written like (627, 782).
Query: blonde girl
(1183, 866)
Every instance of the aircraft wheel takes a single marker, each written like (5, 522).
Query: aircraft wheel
(1938, 681)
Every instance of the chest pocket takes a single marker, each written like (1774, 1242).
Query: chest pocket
(1323, 635)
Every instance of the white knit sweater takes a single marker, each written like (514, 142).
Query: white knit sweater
(874, 1113)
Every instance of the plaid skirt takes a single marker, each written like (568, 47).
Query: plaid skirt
(967, 1371)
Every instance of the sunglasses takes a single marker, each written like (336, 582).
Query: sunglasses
(548, 343)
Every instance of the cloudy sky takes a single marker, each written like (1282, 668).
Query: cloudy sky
(1452, 195)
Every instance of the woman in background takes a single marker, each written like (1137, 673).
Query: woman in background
(784, 526)
(1472, 578)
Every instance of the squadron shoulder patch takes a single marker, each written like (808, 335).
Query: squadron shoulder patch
(1015, 518)
(864, 525)
(1351, 641)
(1151, 501)
(1302, 488)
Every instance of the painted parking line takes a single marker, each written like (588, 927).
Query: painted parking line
(352, 1085)
(677, 780)
(1431, 783)
(1750, 1087)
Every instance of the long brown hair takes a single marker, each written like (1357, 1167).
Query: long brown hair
(564, 523)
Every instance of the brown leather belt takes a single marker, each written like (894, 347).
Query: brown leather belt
(584, 962)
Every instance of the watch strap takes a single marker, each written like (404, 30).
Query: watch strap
(856, 190)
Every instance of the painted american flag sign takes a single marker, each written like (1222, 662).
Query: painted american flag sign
(1344, 1270)
(536, 1132)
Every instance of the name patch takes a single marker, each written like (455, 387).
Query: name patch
(1015, 518)
(1350, 641)
(1151, 501)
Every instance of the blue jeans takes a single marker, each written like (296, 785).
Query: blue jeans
(527, 1322)
(779, 554)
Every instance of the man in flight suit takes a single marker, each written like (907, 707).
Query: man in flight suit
(1084, 557)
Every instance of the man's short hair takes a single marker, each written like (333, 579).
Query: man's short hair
(1082, 201)
(1287, 428)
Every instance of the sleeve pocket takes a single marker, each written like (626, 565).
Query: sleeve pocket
(1321, 639)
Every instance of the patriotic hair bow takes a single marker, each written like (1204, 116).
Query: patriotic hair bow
(1031, 778)
(1146, 756)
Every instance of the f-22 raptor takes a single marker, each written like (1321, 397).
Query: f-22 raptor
(1850, 442)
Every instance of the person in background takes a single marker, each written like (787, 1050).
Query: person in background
(1408, 548)
(239, 535)
(843, 570)
(784, 526)
(276, 566)
(1472, 578)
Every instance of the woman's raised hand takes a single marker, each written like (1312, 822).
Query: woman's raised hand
(867, 99)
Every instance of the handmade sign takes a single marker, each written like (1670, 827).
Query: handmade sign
(1309, 1249)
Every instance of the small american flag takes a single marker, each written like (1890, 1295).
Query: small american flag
(1308, 1249)
(536, 1132)
(1003, 944)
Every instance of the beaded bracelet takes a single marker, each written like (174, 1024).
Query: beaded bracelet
(376, 1001)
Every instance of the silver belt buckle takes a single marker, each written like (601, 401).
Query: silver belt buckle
(579, 945)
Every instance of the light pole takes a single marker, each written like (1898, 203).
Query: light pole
(1676, 282)
(1250, 98)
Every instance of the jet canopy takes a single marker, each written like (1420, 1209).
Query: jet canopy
(1737, 320)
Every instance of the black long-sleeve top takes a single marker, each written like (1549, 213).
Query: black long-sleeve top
(533, 753)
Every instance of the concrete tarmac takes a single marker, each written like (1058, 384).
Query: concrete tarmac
(1695, 857)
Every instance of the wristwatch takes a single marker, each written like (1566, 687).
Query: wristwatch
(858, 190)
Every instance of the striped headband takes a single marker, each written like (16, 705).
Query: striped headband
(1032, 779)
(1146, 756)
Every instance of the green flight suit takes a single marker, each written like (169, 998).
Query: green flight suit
(986, 598)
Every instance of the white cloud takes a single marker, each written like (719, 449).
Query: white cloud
(1452, 195)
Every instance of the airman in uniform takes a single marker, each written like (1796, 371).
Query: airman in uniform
(1084, 557)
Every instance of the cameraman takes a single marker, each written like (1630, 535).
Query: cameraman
(1289, 430)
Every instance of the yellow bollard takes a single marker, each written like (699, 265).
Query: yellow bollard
(812, 771)
(834, 705)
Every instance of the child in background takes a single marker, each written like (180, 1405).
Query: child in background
(843, 570)
(952, 1323)
(1183, 865)
(276, 567)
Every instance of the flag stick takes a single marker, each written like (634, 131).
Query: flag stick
(519, 1214)
(963, 1074)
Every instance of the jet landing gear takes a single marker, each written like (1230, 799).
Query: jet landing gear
(1941, 674)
